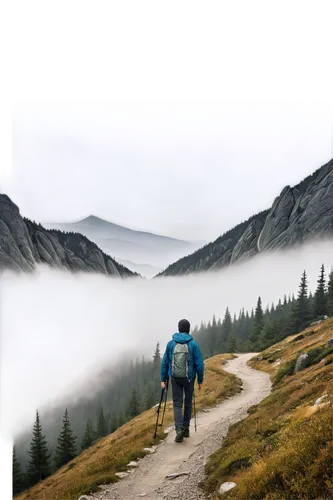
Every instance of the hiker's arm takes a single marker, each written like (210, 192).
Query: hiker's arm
(165, 365)
(199, 364)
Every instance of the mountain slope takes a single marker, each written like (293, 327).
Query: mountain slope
(24, 244)
(298, 214)
(284, 448)
(138, 247)
(145, 270)
(97, 227)
(98, 464)
(254, 454)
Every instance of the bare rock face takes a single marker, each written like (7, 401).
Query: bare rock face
(24, 244)
(15, 240)
(223, 255)
(277, 220)
(298, 214)
(246, 246)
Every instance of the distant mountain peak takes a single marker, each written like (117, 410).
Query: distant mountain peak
(92, 219)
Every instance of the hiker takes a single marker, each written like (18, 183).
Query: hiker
(182, 362)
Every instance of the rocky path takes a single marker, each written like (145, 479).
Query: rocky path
(149, 481)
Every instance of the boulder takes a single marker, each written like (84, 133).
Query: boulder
(150, 450)
(330, 343)
(301, 363)
(121, 475)
(133, 464)
(226, 486)
(319, 400)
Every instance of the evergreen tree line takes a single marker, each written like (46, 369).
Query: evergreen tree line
(261, 328)
(137, 387)
(135, 390)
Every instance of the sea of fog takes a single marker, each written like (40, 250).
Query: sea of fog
(59, 329)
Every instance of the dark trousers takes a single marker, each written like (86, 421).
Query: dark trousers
(182, 387)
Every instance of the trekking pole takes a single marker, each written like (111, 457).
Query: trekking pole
(158, 413)
(195, 413)
(165, 402)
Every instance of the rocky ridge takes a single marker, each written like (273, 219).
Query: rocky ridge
(298, 214)
(25, 244)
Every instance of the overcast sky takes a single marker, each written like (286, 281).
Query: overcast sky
(189, 170)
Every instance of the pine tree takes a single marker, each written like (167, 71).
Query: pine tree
(102, 425)
(211, 339)
(134, 407)
(268, 335)
(320, 307)
(18, 483)
(39, 463)
(232, 344)
(113, 422)
(88, 436)
(257, 325)
(214, 334)
(150, 397)
(66, 448)
(247, 325)
(157, 355)
(121, 418)
(241, 332)
(330, 294)
(312, 303)
(226, 331)
(300, 308)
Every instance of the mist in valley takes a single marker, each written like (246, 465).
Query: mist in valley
(60, 330)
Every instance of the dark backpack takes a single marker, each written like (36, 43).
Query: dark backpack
(180, 360)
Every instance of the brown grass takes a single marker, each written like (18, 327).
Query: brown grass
(287, 349)
(98, 464)
(283, 449)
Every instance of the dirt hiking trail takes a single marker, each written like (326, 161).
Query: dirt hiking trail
(148, 479)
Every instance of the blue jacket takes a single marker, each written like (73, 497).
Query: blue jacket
(195, 361)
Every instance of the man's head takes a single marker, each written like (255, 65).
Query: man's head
(184, 326)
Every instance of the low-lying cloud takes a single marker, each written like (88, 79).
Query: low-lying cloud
(59, 329)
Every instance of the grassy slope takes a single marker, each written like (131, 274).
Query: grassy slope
(283, 449)
(99, 463)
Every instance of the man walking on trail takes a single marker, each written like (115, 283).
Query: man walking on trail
(182, 362)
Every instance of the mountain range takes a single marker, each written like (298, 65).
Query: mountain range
(299, 214)
(143, 252)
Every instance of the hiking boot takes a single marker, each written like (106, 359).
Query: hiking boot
(186, 432)
(179, 436)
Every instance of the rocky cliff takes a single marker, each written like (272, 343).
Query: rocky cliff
(298, 214)
(23, 244)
